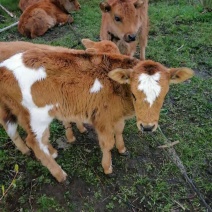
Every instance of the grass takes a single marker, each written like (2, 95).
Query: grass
(180, 35)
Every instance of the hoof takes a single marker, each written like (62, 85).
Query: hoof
(111, 175)
(85, 131)
(126, 153)
(61, 177)
(72, 140)
(26, 151)
(55, 154)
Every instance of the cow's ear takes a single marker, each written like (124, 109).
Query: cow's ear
(138, 3)
(91, 50)
(105, 7)
(88, 43)
(120, 75)
(178, 75)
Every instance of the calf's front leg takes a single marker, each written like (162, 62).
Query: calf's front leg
(106, 142)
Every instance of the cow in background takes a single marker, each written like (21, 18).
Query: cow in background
(125, 22)
(43, 15)
(101, 89)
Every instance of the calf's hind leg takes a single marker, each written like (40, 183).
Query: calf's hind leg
(9, 123)
(42, 153)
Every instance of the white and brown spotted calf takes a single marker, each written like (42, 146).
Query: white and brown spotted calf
(8, 49)
(104, 90)
(125, 22)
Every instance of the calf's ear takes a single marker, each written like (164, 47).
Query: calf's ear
(87, 43)
(138, 3)
(178, 75)
(91, 50)
(105, 7)
(120, 75)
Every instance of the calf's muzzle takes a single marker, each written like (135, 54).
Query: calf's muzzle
(147, 128)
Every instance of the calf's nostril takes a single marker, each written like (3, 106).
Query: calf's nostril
(147, 128)
(132, 37)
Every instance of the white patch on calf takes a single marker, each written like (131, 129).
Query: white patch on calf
(150, 86)
(26, 77)
(96, 86)
(11, 129)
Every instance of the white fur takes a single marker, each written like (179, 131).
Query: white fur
(54, 155)
(150, 86)
(26, 77)
(11, 129)
(96, 86)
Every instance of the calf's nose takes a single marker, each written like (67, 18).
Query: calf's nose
(132, 37)
(147, 128)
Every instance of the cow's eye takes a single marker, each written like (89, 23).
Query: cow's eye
(118, 19)
(133, 96)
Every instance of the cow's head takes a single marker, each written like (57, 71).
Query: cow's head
(69, 5)
(149, 82)
(104, 46)
(124, 18)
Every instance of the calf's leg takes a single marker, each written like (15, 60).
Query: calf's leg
(9, 123)
(106, 142)
(118, 128)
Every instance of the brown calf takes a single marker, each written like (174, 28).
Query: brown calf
(125, 22)
(102, 89)
(43, 15)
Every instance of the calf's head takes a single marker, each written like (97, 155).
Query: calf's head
(68, 5)
(149, 83)
(124, 18)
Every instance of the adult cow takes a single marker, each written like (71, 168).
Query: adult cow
(7, 49)
(45, 14)
(125, 22)
(104, 90)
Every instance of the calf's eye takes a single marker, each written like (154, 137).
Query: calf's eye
(118, 19)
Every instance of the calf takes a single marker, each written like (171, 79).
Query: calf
(101, 89)
(43, 15)
(125, 22)
(7, 49)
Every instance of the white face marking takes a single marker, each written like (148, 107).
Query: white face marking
(11, 129)
(26, 77)
(150, 86)
(96, 86)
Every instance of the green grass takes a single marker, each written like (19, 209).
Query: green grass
(180, 35)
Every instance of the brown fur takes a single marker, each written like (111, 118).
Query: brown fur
(133, 15)
(70, 77)
(45, 14)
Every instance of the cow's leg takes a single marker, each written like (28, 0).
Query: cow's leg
(45, 140)
(64, 18)
(143, 41)
(41, 151)
(81, 127)
(106, 142)
(69, 132)
(118, 128)
(132, 48)
(8, 121)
